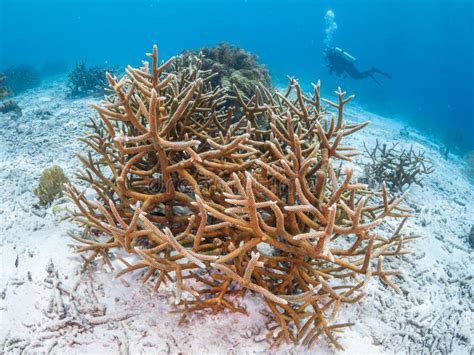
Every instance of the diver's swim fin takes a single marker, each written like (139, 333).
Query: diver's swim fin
(374, 79)
(375, 70)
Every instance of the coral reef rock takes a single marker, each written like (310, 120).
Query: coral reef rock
(8, 106)
(221, 205)
(4, 90)
(231, 66)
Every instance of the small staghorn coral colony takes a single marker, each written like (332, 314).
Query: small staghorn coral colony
(221, 200)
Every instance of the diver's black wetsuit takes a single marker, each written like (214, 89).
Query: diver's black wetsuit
(340, 65)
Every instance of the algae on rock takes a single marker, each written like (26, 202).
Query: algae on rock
(231, 66)
(52, 184)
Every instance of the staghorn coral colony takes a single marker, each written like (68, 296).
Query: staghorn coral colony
(84, 80)
(221, 205)
(396, 168)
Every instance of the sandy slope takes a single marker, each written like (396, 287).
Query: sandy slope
(46, 304)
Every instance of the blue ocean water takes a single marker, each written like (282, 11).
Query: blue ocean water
(426, 45)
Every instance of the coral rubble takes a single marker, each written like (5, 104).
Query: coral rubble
(233, 66)
(52, 184)
(396, 168)
(220, 205)
(85, 80)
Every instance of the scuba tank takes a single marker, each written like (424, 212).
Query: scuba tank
(345, 55)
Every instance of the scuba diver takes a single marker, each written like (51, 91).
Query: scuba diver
(342, 63)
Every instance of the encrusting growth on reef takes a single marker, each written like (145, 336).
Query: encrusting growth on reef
(232, 66)
(220, 204)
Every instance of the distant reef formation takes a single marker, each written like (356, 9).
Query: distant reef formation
(7, 106)
(86, 80)
(220, 204)
(21, 77)
(5, 91)
(233, 66)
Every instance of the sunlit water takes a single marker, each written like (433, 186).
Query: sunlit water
(426, 45)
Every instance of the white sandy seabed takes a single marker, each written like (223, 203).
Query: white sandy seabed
(47, 305)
